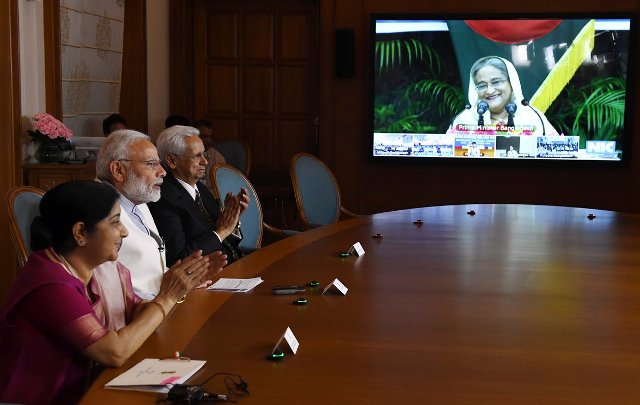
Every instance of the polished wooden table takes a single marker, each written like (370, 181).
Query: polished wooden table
(516, 304)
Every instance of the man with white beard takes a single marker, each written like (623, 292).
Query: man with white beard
(129, 162)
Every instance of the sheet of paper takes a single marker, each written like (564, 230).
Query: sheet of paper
(156, 375)
(235, 284)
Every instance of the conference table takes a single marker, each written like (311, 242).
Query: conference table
(480, 303)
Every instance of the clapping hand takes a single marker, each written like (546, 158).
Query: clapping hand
(230, 214)
(186, 275)
(243, 199)
(217, 261)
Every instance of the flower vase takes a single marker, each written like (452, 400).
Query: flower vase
(48, 152)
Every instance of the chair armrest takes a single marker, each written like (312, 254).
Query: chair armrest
(278, 231)
(348, 213)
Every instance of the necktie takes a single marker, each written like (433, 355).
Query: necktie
(231, 252)
(204, 211)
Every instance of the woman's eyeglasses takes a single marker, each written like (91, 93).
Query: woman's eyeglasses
(495, 83)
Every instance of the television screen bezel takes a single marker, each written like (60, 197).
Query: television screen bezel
(630, 97)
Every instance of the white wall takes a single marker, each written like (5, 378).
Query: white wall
(32, 85)
(158, 91)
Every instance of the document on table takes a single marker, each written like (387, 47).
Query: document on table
(236, 284)
(155, 375)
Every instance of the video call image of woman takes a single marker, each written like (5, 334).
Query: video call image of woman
(495, 96)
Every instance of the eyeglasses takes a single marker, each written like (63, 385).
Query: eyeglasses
(151, 164)
(495, 83)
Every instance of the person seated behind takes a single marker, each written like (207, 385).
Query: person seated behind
(512, 153)
(214, 157)
(112, 123)
(474, 150)
(187, 214)
(54, 323)
(175, 119)
(495, 81)
(129, 162)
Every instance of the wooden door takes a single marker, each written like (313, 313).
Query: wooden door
(256, 76)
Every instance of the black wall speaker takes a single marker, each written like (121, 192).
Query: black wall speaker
(345, 53)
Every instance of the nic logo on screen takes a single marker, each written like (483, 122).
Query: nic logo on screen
(602, 148)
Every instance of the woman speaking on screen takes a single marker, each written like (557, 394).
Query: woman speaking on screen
(496, 99)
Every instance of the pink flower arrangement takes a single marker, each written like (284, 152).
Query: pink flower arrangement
(47, 126)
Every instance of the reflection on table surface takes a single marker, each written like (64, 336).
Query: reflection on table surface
(515, 304)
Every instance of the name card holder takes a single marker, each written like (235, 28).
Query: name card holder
(356, 249)
(290, 339)
(338, 286)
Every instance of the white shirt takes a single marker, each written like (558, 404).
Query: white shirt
(131, 208)
(142, 254)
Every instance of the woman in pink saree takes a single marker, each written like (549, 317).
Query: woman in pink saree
(59, 319)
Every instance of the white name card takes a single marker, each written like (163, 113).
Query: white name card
(291, 340)
(338, 285)
(357, 249)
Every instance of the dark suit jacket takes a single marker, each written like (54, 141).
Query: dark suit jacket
(183, 226)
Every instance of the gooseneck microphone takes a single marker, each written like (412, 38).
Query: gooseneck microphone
(482, 108)
(466, 107)
(525, 103)
(511, 109)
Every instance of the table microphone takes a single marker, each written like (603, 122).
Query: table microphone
(511, 109)
(525, 103)
(482, 108)
(193, 394)
(466, 107)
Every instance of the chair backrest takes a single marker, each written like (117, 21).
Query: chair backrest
(225, 178)
(23, 204)
(237, 154)
(316, 190)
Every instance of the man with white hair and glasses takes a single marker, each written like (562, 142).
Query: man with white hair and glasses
(129, 162)
(187, 214)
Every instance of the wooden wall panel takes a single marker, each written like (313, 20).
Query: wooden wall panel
(222, 94)
(181, 40)
(293, 90)
(259, 133)
(133, 93)
(226, 128)
(258, 70)
(257, 37)
(257, 90)
(290, 141)
(10, 173)
(292, 45)
(223, 28)
(52, 69)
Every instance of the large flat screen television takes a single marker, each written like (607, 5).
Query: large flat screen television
(526, 88)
